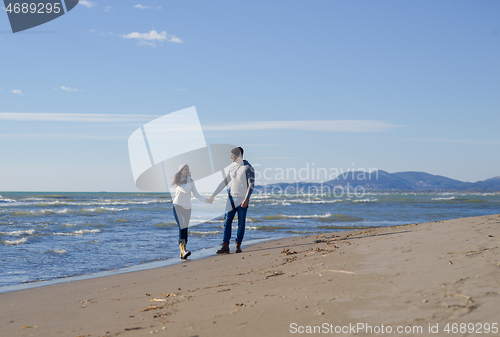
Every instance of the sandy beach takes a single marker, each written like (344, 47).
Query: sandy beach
(417, 279)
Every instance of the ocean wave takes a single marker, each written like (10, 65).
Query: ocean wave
(59, 251)
(285, 216)
(103, 209)
(262, 196)
(68, 211)
(166, 224)
(301, 232)
(365, 200)
(14, 242)
(300, 201)
(2, 200)
(265, 228)
(120, 220)
(32, 213)
(43, 212)
(319, 217)
(18, 233)
(79, 232)
(438, 199)
(108, 202)
(280, 203)
(204, 233)
(288, 202)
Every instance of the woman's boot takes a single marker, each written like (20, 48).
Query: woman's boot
(182, 247)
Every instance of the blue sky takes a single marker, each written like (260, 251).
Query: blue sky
(418, 81)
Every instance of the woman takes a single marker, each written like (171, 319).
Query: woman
(184, 186)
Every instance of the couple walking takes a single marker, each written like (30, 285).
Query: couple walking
(241, 178)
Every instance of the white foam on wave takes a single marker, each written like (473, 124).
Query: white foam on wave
(101, 209)
(312, 216)
(18, 233)
(328, 215)
(33, 213)
(116, 209)
(106, 202)
(79, 232)
(438, 199)
(282, 203)
(59, 251)
(365, 200)
(300, 201)
(262, 196)
(204, 233)
(14, 242)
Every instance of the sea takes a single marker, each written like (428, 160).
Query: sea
(58, 237)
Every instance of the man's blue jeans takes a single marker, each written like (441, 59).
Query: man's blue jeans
(228, 221)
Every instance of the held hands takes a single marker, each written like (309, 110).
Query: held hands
(244, 204)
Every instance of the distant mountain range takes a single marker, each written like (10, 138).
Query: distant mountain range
(385, 181)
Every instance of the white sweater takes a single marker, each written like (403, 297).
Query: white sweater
(183, 194)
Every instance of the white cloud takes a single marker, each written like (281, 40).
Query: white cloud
(69, 89)
(139, 6)
(73, 117)
(87, 4)
(175, 39)
(18, 92)
(108, 8)
(318, 125)
(152, 37)
(147, 43)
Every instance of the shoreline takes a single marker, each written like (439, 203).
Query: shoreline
(203, 253)
(417, 275)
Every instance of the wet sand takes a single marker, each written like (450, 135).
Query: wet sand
(414, 276)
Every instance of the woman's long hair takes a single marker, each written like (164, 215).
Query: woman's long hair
(177, 177)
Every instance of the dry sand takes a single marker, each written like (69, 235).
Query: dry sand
(407, 276)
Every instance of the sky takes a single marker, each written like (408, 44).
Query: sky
(339, 85)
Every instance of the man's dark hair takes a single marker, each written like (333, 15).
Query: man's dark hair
(237, 151)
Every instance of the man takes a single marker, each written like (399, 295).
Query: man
(242, 179)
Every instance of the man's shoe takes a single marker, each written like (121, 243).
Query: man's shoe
(224, 249)
(237, 248)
